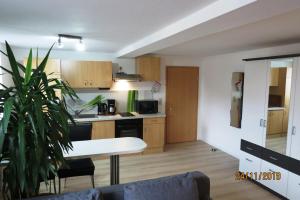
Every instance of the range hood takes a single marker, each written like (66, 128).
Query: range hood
(127, 77)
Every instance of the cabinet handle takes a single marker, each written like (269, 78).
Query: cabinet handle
(91, 83)
(261, 122)
(249, 160)
(294, 130)
(271, 157)
(265, 123)
(249, 148)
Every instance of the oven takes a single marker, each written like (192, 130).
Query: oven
(129, 128)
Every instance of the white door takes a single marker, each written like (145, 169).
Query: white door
(255, 101)
(295, 136)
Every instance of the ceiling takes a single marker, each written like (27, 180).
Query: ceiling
(105, 25)
(278, 30)
(129, 28)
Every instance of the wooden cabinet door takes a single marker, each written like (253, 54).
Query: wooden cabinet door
(87, 74)
(52, 69)
(149, 68)
(154, 133)
(101, 73)
(103, 129)
(74, 73)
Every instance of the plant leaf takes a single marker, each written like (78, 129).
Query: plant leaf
(14, 66)
(28, 67)
(8, 105)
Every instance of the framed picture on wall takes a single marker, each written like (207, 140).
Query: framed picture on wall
(237, 87)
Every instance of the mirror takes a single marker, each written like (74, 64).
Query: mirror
(237, 84)
(280, 81)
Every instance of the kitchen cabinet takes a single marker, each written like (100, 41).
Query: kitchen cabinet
(103, 129)
(52, 69)
(87, 74)
(275, 121)
(154, 134)
(274, 77)
(148, 67)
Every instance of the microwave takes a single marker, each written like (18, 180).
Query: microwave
(146, 106)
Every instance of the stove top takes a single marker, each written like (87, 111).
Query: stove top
(126, 114)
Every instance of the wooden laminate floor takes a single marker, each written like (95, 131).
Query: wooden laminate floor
(179, 158)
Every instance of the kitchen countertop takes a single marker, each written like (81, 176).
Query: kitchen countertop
(119, 117)
(275, 108)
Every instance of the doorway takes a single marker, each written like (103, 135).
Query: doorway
(182, 85)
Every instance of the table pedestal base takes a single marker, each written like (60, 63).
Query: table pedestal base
(114, 170)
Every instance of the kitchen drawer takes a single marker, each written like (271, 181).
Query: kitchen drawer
(279, 186)
(249, 163)
(251, 148)
(293, 191)
(155, 120)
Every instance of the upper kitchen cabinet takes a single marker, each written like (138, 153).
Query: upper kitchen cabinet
(52, 68)
(87, 74)
(148, 67)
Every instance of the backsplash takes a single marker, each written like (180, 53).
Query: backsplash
(119, 96)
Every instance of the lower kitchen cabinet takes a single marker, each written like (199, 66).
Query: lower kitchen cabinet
(154, 134)
(293, 190)
(103, 129)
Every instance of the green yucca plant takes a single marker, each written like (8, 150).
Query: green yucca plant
(34, 129)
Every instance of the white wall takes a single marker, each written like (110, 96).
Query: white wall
(5, 78)
(215, 93)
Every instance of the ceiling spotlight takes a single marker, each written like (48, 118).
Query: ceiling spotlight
(60, 44)
(80, 46)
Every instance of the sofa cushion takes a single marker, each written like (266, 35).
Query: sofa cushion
(170, 188)
(91, 194)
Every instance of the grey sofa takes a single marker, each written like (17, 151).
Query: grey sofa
(116, 192)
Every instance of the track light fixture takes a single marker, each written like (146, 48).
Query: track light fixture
(60, 44)
(79, 46)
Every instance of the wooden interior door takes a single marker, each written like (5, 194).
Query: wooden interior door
(182, 103)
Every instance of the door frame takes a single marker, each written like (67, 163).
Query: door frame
(197, 103)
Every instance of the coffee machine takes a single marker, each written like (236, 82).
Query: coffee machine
(111, 106)
(102, 109)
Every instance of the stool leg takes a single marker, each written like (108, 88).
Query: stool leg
(93, 181)
(65, 183)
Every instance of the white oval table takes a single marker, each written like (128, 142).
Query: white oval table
(112, 147)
